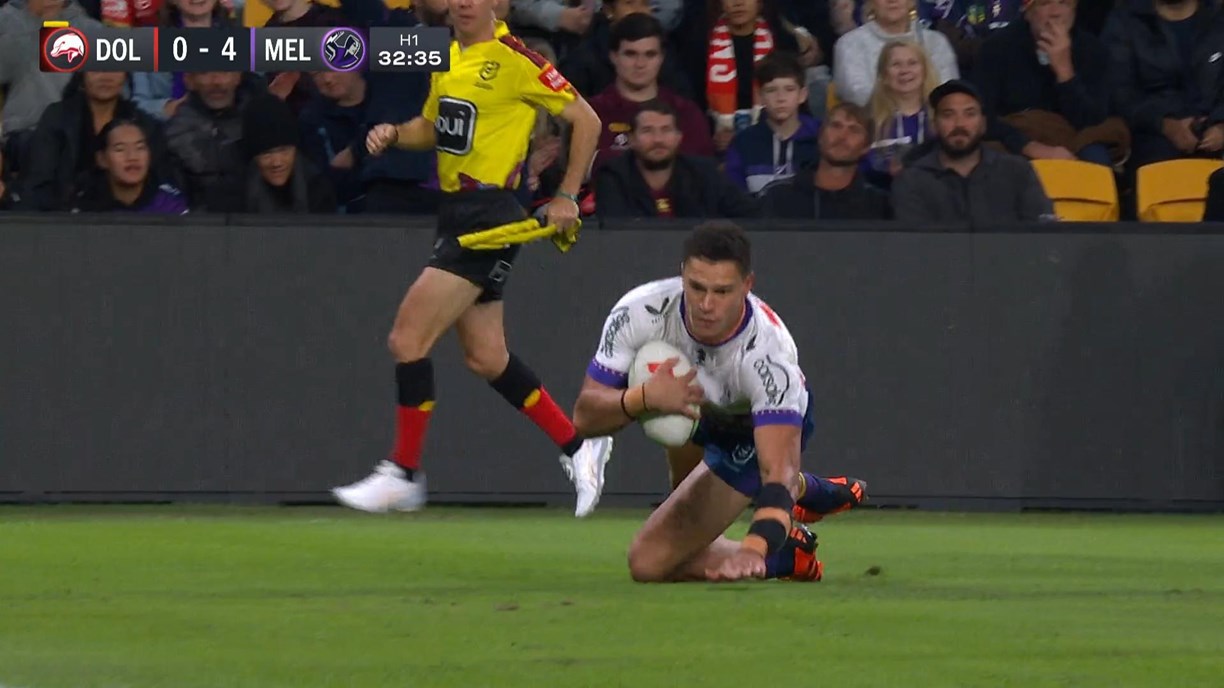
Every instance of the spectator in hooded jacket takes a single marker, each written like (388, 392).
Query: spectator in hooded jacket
(63, 149)
(279, 179)
(785, 139)
(124, 180)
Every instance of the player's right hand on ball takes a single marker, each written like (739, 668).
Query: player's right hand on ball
(380, 137)
(668, 394)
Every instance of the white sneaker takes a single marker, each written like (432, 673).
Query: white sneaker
(586, 471)
(385, 490)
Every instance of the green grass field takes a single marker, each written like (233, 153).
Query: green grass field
(308, 597)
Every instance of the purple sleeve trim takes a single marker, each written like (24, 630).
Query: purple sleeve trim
(777, 418)
(606, 376)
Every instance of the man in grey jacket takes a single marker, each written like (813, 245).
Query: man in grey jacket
(959, 181)
(29, 90)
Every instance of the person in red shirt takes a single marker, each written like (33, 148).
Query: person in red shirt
(636, 47)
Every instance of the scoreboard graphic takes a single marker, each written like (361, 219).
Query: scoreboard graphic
(65, 48)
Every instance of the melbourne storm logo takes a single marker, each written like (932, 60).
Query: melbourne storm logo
(616, 322)
(344, 50)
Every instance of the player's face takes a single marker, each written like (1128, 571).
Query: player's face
(276, 165)
(104, 86)
(624, 8)
(655, 139)
(782, 98)
(637, 63)
(904, 73)
(714, 293)
(216, 89)
(960, 124)
(843, 140)
(471, 16)
(126, 156)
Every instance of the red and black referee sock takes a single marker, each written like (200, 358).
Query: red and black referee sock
(415, 384)
(519, 385)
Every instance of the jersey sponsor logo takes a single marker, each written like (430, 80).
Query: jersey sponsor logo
(774, 380)
(455, 126)
(489, 71)
(616, 322)
(658, 311)
(553, 80)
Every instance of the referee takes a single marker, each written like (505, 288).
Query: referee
(478, 118)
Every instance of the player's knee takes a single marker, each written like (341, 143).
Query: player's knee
(645, 566)
(406, 345)
(486, 362)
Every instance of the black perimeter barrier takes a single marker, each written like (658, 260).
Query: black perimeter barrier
(243, 359)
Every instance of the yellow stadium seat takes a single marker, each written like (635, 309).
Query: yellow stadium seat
(1081, 191)
(1174, 190)
(831, 99)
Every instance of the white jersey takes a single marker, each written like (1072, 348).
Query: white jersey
(753, 376)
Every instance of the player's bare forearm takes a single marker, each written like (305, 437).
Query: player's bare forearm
(778, 455)
(598, 411)
(584, 140)
(417, 134)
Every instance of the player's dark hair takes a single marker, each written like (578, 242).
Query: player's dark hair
(717, 241)
(779, 64)
(652, 105)
(635, 27)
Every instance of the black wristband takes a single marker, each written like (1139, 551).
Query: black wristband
(775, 496)
(772, 531)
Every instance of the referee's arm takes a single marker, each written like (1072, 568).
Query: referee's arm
(584, 140)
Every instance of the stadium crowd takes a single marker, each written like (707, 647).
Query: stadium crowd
(925, 111)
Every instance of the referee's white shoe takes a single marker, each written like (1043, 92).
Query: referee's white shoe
(386, 489)
(586, 471)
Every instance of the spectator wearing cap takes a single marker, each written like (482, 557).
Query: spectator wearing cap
(278, 179)
(590, 66)
(1214, 211)
(63, 149)
(637, 52)
(28, 91)
(125, 181)
(959, 181)
(834, 188)
(1167, 69)
(1045, 88)
(205, 138)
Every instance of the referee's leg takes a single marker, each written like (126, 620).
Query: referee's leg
(433, 304)
(482, 335)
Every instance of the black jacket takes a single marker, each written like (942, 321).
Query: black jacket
(61, 153)
(1215, 198)
(207, 146)
(590, 70)
(308, 191)
(1148, 80)
(327, 129)
(1012, 80)
(1003, 189)
(798, 198)
(697, 190)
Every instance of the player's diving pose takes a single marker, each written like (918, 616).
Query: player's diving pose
(756, 416)
(478, 117)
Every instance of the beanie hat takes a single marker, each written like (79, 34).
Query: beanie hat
(267, 123)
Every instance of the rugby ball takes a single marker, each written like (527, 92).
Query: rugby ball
(669, 430)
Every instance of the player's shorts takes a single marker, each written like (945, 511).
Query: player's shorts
(731, 454)
(471, 211)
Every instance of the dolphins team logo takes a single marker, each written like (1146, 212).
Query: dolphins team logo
(64, 49)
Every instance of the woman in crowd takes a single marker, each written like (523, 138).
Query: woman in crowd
(899, 108)
(63, 150)
(279, 180)
(124, 180)
(857, 53)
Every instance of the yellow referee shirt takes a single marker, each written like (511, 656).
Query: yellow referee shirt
(483, 110)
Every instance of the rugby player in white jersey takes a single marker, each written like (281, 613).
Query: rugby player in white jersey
(756, 416)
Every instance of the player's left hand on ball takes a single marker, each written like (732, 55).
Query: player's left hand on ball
(561, 213)
(743, 564)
